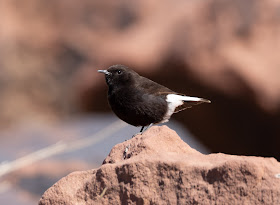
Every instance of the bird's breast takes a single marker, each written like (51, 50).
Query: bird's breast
(136, 107)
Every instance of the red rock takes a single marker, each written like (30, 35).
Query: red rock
(162, 169)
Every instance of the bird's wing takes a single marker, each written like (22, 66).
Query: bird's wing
(161, 90)
(152, 87)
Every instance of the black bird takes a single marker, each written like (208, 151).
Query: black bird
(140, 101)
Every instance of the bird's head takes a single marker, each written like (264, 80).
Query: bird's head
(118, 75)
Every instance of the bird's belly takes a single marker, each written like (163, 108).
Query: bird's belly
(139, 112)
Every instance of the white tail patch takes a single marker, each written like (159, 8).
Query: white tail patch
(174, 101)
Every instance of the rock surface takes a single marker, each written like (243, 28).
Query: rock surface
(159, 168)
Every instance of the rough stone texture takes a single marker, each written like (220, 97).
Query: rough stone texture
(161, 169)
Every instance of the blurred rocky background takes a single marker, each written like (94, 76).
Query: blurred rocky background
(226, 51)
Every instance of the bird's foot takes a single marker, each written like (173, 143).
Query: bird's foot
(139, 133)
(143, 130)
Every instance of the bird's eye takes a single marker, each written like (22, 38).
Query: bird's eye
(119, 72)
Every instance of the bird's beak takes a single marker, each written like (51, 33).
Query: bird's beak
(104, 71)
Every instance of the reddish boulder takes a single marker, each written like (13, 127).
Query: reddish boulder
(159, 168)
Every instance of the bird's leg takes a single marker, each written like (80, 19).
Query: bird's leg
(139, 133)
(144, 130)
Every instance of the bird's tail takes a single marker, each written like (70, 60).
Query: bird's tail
(194, 99)
(188, 101)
